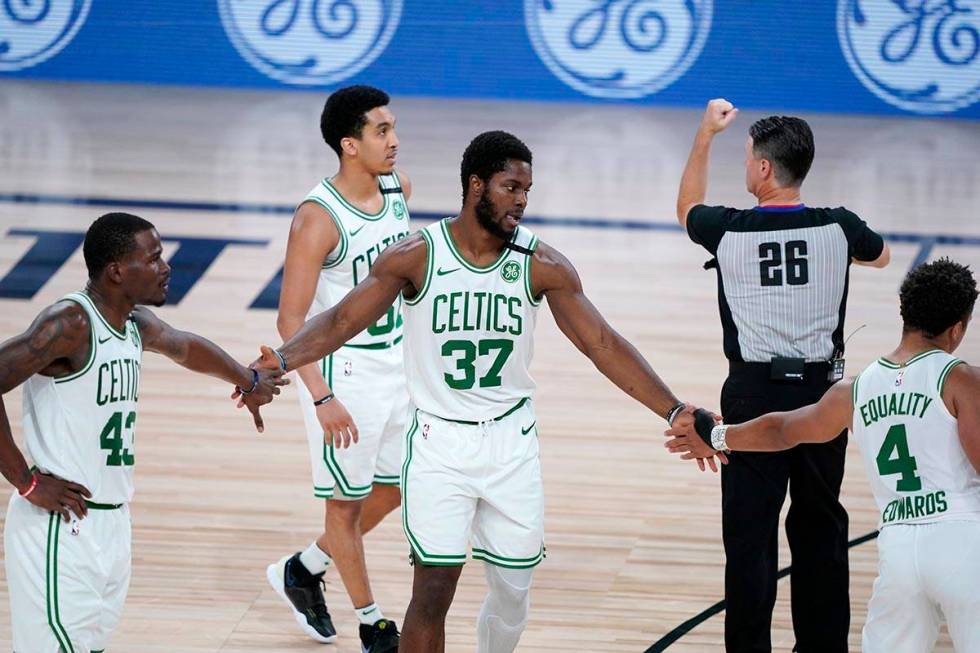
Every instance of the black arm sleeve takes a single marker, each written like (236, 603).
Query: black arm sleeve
(707, 224)
(863, 243)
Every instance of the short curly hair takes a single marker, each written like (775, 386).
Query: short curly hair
(109, 239)
(344, 113)
(488, 154)
(937, 295)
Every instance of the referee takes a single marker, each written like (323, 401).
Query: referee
(782, 290)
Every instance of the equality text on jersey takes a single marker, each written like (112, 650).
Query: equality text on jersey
(897, 403)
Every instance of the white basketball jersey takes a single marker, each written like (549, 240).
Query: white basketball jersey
(910, 443)
(363, 237)
(469, 332)
(81, 427)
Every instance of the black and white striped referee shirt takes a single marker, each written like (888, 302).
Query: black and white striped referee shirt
(782, 276)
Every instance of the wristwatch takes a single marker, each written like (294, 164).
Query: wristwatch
(718, 437)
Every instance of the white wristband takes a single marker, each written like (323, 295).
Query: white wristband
(718, 437)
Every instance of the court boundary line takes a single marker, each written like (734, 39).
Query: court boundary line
(684, 628)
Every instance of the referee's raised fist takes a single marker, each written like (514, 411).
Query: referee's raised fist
(719, 114)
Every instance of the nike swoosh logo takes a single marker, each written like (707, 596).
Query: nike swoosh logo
(528, 429)
(442, 272)
(354, 232)
(105, 340)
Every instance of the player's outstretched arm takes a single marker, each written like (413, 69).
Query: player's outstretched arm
(819, 422)
(401, 267)
(960, 394)
(694, 182)
(199, 354)
(554, 277)
(57, 343)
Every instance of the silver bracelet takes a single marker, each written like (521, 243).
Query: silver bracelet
(718, 437)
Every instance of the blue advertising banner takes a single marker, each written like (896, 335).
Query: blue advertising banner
(870, 56)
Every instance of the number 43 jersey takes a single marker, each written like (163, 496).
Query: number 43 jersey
(910, 443)
(80, 427)
(469, 332)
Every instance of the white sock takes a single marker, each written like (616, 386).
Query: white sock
(369, 614)
(315, 560)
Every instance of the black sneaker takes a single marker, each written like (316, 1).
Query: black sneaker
(382, 637)
(303, 591)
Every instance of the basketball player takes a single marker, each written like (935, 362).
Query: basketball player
(916, 417)
(79, 363)
(471, 476)
(358, 393)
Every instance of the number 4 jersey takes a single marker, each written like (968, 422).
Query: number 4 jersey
(80, 427)
(910, 443)
(469, 332)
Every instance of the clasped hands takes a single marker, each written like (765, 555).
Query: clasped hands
(684, 439)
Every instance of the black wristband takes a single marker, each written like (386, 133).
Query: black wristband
(282, 359)
(255, 383)
(674, 411)
(704, 422)
(323, 400)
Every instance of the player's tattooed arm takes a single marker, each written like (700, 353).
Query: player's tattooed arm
(199, 354)
(56, 343)
(553, 276)
(400, 268)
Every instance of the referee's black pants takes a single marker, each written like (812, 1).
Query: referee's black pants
(753, 488)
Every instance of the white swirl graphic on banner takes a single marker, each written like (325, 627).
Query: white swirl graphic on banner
(618, 48)
(34, 30)
(310, 42)
(918, 55)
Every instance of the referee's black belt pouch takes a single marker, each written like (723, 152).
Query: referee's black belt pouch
(789, 370)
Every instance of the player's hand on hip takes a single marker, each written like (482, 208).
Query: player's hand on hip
(338, 426)
(63, 497)
(718, 115)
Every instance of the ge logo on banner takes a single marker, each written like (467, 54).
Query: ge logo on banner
(310, 41)
(919, 55)
(618, 48)
(34, 30)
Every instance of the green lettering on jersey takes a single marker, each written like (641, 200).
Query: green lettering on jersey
(118, 380)
(921, 505)
(477, 310)
(888, 405)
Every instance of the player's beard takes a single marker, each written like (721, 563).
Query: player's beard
(485, 211)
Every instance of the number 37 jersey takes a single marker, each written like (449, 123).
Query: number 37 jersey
(80, 427)
(469, 332)
(910, 442)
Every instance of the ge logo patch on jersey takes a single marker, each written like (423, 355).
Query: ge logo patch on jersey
(618, 48)
(34, 30)
(310, 42)
(921, 56)
(511, 271)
